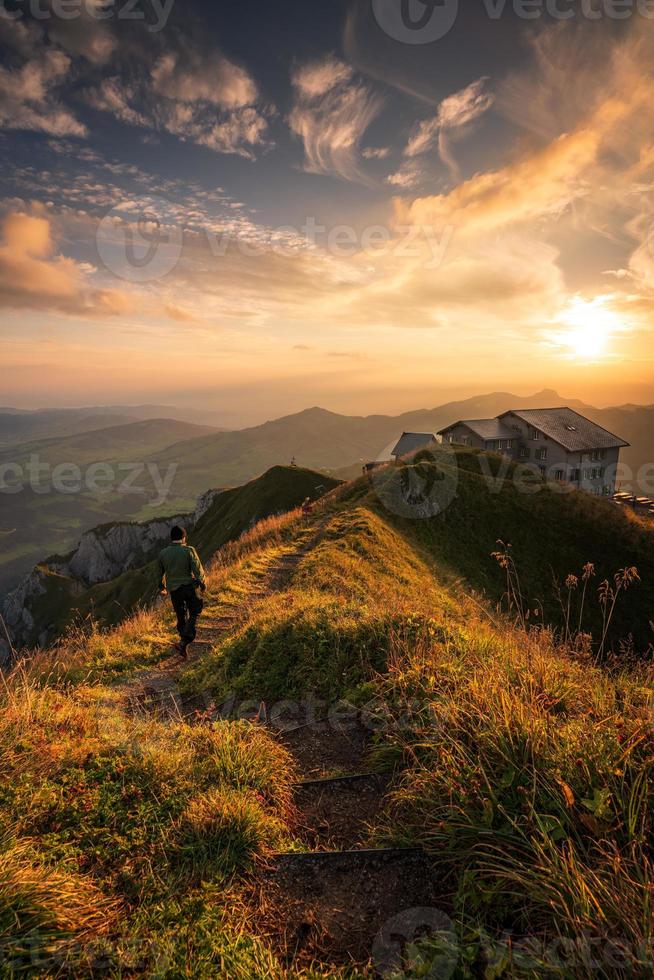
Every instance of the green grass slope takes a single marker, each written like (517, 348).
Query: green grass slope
(278, 490)
(552, 535)
(523, 767)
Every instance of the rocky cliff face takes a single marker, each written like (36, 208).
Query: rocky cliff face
(16, 610)
(105, 552)
(204, 503)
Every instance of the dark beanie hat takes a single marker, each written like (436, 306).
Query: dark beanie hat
(177, 533)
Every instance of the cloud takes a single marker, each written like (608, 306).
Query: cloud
(454, 113)
(239, 133)
(195, 94)
(86, 34)
(332, 111)
(375, 152)
(178, 314)
(541, 183)
(28, 100)
(319, 77)
(191, 75)
(32, 276)
(111, 96)
(512, 283)
(409, 176)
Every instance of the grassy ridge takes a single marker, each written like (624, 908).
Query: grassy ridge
(278, 490)
(524, 769)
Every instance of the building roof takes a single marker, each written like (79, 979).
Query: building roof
(571, 430)
(486, 429)
(411, 442)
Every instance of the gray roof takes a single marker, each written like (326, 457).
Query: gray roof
(486, 429)
(411, 442)
(571, 430)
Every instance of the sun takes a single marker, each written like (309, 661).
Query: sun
(588, 327)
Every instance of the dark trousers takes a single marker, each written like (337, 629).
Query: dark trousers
(188, 606)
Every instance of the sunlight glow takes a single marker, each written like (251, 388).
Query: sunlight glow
(589, 327)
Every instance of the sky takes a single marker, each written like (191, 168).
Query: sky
(368, 205)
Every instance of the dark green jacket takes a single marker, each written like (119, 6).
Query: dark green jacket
(179, 564)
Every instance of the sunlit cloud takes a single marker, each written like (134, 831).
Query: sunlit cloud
(454, 113)
(332, 111)
(191, 75)
(194, 93)
(28, 94)
(33, 276)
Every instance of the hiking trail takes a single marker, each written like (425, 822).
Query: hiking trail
(325, 904)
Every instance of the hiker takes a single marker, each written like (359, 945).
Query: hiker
(307, 507)
(182, 574)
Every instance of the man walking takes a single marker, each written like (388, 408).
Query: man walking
(181, 573)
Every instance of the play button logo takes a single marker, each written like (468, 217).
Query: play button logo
(416, 21)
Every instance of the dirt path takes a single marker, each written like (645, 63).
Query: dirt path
(331, 902)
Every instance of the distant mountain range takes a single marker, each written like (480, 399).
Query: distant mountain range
(33, 524)
(21, 425)
(320, 439)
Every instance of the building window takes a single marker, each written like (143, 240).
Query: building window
(501, 443)
(534, 434)
(524, 452)
(559, 475)
(542, 470)
(598, 454)
(541, 454)
(465, 440)
(509, 443)
(576, 475)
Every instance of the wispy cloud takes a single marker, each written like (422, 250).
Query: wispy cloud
(332, 111)
(114, 97)
(454, 113)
